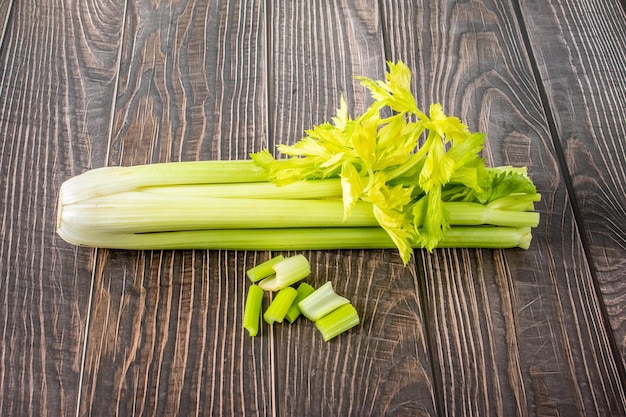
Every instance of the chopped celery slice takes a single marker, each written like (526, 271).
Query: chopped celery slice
(264, 269)
(252, 310)
(338, 321)
(304, 290)
(321, 302)
(288, 272)
(280, 305)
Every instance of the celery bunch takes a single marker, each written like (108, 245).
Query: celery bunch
(392, 177)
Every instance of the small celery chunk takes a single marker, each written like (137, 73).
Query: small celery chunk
(321, 302)
(287, 272)
(264, 270)
(304, 290)
(338, 321)
(280, 305)
(252, 310)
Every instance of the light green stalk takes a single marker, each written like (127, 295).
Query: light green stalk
(109, 180)
(299, 239)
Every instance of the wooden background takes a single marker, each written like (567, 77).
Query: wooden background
(89, 83)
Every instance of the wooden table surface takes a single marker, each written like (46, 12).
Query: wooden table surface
(91, 83)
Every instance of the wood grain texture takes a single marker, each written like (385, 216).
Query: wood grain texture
(583, 69)
(316, 51)
(381, 367)
(166, 336)
(5, 14)
(90, 83)
(384, 367)
(192, 83)
(53, 60)
(513, 332)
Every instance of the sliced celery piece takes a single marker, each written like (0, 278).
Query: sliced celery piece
(280, 305)
(338, 321)
(288, 272)
(252, 310)
(304, 290)
(321, 302)
(264, 270)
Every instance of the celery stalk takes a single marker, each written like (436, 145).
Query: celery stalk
(303, 190)
(295, 238)
(144, 213)
(120, 219)
(110, 180)
(252, 310)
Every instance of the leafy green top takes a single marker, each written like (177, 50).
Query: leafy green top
(406, 164)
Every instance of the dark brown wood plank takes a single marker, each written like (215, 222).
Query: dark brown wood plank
(513, 332)
(579, 49)
(5, 14)
(57, 77)
(383, 366)
(166, 336)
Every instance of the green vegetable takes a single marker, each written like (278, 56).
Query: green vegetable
(331, 313)
(287, 272)
(338, 321)
(303, 291)
(280, 305)
(417, 176)
(311, 238)
(252, 310)
(264, 269)
(321, 302)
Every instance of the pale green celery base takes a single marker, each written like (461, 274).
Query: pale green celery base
(294, 239)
